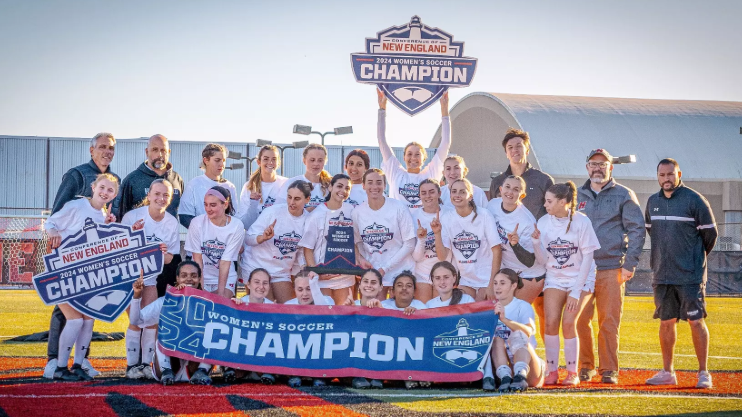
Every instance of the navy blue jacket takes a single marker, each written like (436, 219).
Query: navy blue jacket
(77, 182)
(135, 187)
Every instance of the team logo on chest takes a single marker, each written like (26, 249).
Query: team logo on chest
(466, 243)
(561, 250)
(213, 249)
(315, 201)
(411, 192)
(287, 242)
(503, 234)
(376, 235)
(430, 241)
(268, 202)
(153, 238)
(352, 202)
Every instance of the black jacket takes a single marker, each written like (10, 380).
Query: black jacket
(135, 186)
(76, 182)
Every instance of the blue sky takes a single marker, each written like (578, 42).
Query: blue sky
(241, 70)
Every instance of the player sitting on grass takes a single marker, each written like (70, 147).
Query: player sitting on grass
(166, 369)
(514, 342)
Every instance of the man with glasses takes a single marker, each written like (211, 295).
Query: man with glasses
(619, 224)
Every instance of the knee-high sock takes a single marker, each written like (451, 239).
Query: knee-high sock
(551, 345)
(83, 340)
(67, 340)
(163, 361)
(149, 340)
(521, 368)
(570, 354)
(133, 338)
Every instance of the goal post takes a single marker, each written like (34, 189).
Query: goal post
(23, 245)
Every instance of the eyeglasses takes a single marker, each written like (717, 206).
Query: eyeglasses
(602, 165)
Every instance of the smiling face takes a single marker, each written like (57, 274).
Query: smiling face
(268, 161)
(296, 201)
(453, 170)
(159, 196)
(516, 150)
(355, 169)
(460, 196)
(188, 275)
(215, 208)
(403, 291)
(315, 161)
(214, 166)
(443, 280)
(503, 288)
(668, 176)
(370, 285)
(103, 151)
(374, 186)
(554, 205)
(158, 152)
(429, 195)
(103, 191)
(340, 191)
(259, 285)
(413, 157)
(303, 290)
(512, 191)
(599, 169)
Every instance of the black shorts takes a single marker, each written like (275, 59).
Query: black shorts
(684, 302)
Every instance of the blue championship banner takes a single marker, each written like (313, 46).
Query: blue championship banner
(93, 269)
(448, 344)
(414, 64)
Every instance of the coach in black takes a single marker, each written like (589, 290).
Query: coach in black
(682, 229)
(75, 183)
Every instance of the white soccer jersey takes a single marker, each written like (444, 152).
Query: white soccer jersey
(71, 218)
(521, 312)
(147, 316)
(164, 231)
(251, 209)
(480, 198)
(357, 195)
(471, 241)
(390, 304)
(564, 249)
(316, 229)
(424, 253)
(506, 223)
(192, 200)
(383, 233)
(317, 197)
(215, 244)
(436, 302)
(246, 300)
(279, 253)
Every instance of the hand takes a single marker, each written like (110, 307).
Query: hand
(268, 233)
(373, 303)
(349, 301)
(513, 237)
(138, 285)
(255, 196)
(138, 225)
(163, 247)
(363, 263)
(180, 286)
(444, 104)
(572, 303)
(382, 272)
(499, 309)
(222, 293)
(489, 294)
(236, 300)
(536, 233)
(422, 232)
(110, 218)
(435, 224)
(55, 239)
(410, 310)
(328, 276)
(382, 99)
(625, 276)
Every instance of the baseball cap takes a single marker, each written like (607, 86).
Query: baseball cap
(600, 151)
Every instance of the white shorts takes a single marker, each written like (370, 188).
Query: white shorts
(588, 287)
(475, 284)
(423, 279)
(214, 286)
(338, 283)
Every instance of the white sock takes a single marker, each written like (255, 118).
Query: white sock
(83, 340)
(163, 361)
(133, 338)
(503, 371)
(551, 345)
(205, 366)
(149, 340)
(570, 354)
(521, 368)
(67, 340)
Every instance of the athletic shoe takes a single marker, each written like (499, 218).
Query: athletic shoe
(704, 380)
(587, 374)
(505, 384)
(376, 384)
(519, 384)
(552, 378)
(360, 383)
(319, 382)
(294, 382)
(268, 379)
(200, 377)
(134, 372)
(425, 384)
(229, 375)
(88, 367)
(610, 377)
(147, 371)
(50, 368)
(572, 379)
(167, 377)
(663, 378)
(488, 384)
(64, 374)
(411, 384)
(77, 370)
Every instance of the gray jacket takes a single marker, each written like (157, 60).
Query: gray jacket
(618, 222)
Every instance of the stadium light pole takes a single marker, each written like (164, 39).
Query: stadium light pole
(307, 130)
(295, 145)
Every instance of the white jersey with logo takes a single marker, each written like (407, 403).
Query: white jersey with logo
(279, 253)
(521, 312)
(424, 253)
(436, 302)
(564, 249)
(192, 200)
(480, 198)
(316, 228)
(357, 195)
(164, 231)
(506, 223)
(71, 218)
(216, 244)
(471, 241)
(315, 199)
(390, 304)
(250, 209)
(382, 233)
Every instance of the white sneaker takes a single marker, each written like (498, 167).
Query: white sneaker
(88, 368)
(704, 380)
(134, 372)
(147, 372)
(663, 378)
(49, 369)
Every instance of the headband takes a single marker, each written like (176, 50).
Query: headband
(216, 194)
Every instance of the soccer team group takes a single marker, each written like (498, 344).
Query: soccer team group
(558, 251)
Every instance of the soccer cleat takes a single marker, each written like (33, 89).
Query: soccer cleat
(505, 384)
(360, 383)
(77, 370)
(488, 384)
(411, 384)
(552, 378)
(167, 377)
(704, 380)
(229, 375)
(88, 367)
(572, 379)
(64, 374)
(610, 377)
(267, 379)
(519, 384)
(663, 378)
(134, 372)
(200, 377)
(294, 382)
(376, 384)
(587, 374)
(425, 384)
(319, 382)
(147, 371)
(50, 368)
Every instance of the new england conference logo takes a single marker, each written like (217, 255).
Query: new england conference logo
(268, 202)
(213, 249)
(561, 250)
(466, 243)
(376, 235)
(463, 346)
(287, 242)
(413, 64)
(411, 193)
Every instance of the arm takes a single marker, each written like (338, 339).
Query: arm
(309, 257)
(514, 326)
(442, 152)
(496, 263)
(407, 247)
(224, 267)
(633, 224)
(418, 254)
(317, 296)
(199, 259)
(706, 224)
(585, 267)
(528, 259)
(539, 251)
(386, 150)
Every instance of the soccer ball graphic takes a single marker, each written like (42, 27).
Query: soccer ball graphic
(412, 93)
(98, 302)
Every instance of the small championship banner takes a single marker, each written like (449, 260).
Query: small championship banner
(340, 253)
(413, 64)
(93, 269)
(448, 344)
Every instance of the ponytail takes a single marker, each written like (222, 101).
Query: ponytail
(456, 295)
(324, 180)
(566, 191)
(473, 206)
(573, 203)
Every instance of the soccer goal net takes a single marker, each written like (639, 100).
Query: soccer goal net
(23, 245)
